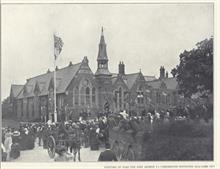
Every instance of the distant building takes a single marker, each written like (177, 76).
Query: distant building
(80, 90)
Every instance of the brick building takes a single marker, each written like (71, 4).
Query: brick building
(80, 90)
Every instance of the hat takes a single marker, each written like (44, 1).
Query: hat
(7, 134)
(16, 133)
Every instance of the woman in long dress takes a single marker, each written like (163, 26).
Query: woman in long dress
(7, 144)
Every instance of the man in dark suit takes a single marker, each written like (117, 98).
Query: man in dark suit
(107, 155)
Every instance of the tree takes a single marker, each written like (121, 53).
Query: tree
(174, 72)
(195, 71)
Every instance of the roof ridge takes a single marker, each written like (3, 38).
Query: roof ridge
(56, 71)
(132, 73)
(17, 85)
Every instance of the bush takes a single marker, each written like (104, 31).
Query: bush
(179, 140)
(184, 128)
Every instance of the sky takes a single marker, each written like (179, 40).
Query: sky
(143, 36)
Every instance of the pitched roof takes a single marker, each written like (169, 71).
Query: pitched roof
(16, 89)
(171, 83)
(63, 76)
(114, 77)
(150, 78)
(130, 79)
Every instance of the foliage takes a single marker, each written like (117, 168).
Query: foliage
(185, 140)
(174, 72)
(195, 71)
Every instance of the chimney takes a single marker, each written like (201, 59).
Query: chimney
(57, 68)
(166, 74)
(162, 72)
(48, 71)
(121, 68)
(70, 64)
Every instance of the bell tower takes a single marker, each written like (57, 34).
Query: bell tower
(103, 76)
(102, 59)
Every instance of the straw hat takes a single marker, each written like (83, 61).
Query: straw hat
(16, 133)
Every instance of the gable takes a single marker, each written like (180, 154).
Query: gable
(63, 78)
(119, 81)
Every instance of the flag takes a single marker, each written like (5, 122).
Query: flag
(58, 44)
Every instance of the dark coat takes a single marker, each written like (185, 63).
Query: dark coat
(107, 155)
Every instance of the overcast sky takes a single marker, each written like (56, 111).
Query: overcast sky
(144, 36)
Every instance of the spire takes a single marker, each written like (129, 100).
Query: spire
(102, 58)
(102, 55)
(102, 32)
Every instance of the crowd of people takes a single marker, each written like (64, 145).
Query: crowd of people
(91, 133)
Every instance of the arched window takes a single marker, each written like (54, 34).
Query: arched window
(82, 96)
(27, 108)
(158, 97)
(87, 96)
(120, 98)
(93, 96)
(32, 108)
(116, 99)
(76, 95)
(140, 95)
(22, 109)
(168, 99)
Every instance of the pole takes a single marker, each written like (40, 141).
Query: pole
(55, 105)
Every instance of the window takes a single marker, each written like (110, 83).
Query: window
(27, 110)
(168, 99)
(116, 99)
(87, 96)
(140, 95)
(125, 99)
(32, 109)
(82, 96)
(93, 96)
(76, 95)
(158, 97)
(22, 114)
(120, 98)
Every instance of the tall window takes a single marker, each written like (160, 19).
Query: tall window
(82, 97)
(93, 95)
(32, 108)
(27, 109)
(140, 95)
(120, 98)
(116, 99)
(76, 95)
(22, 113)
(87, 96)
(125, 99)
(168, 99)
(158, 97)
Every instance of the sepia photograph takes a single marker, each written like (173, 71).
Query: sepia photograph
(119, 82)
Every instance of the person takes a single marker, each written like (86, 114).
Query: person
(129, 154)
(4, 154)
(108, 154)
(61, 155)
(15, 147)
(116, 149)
(7, 144)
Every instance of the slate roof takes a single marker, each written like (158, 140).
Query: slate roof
(63, 76)
(171, 83)
(102, 54)
(114, 77)
(150, 78)
(16, 89)
(130, 79)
